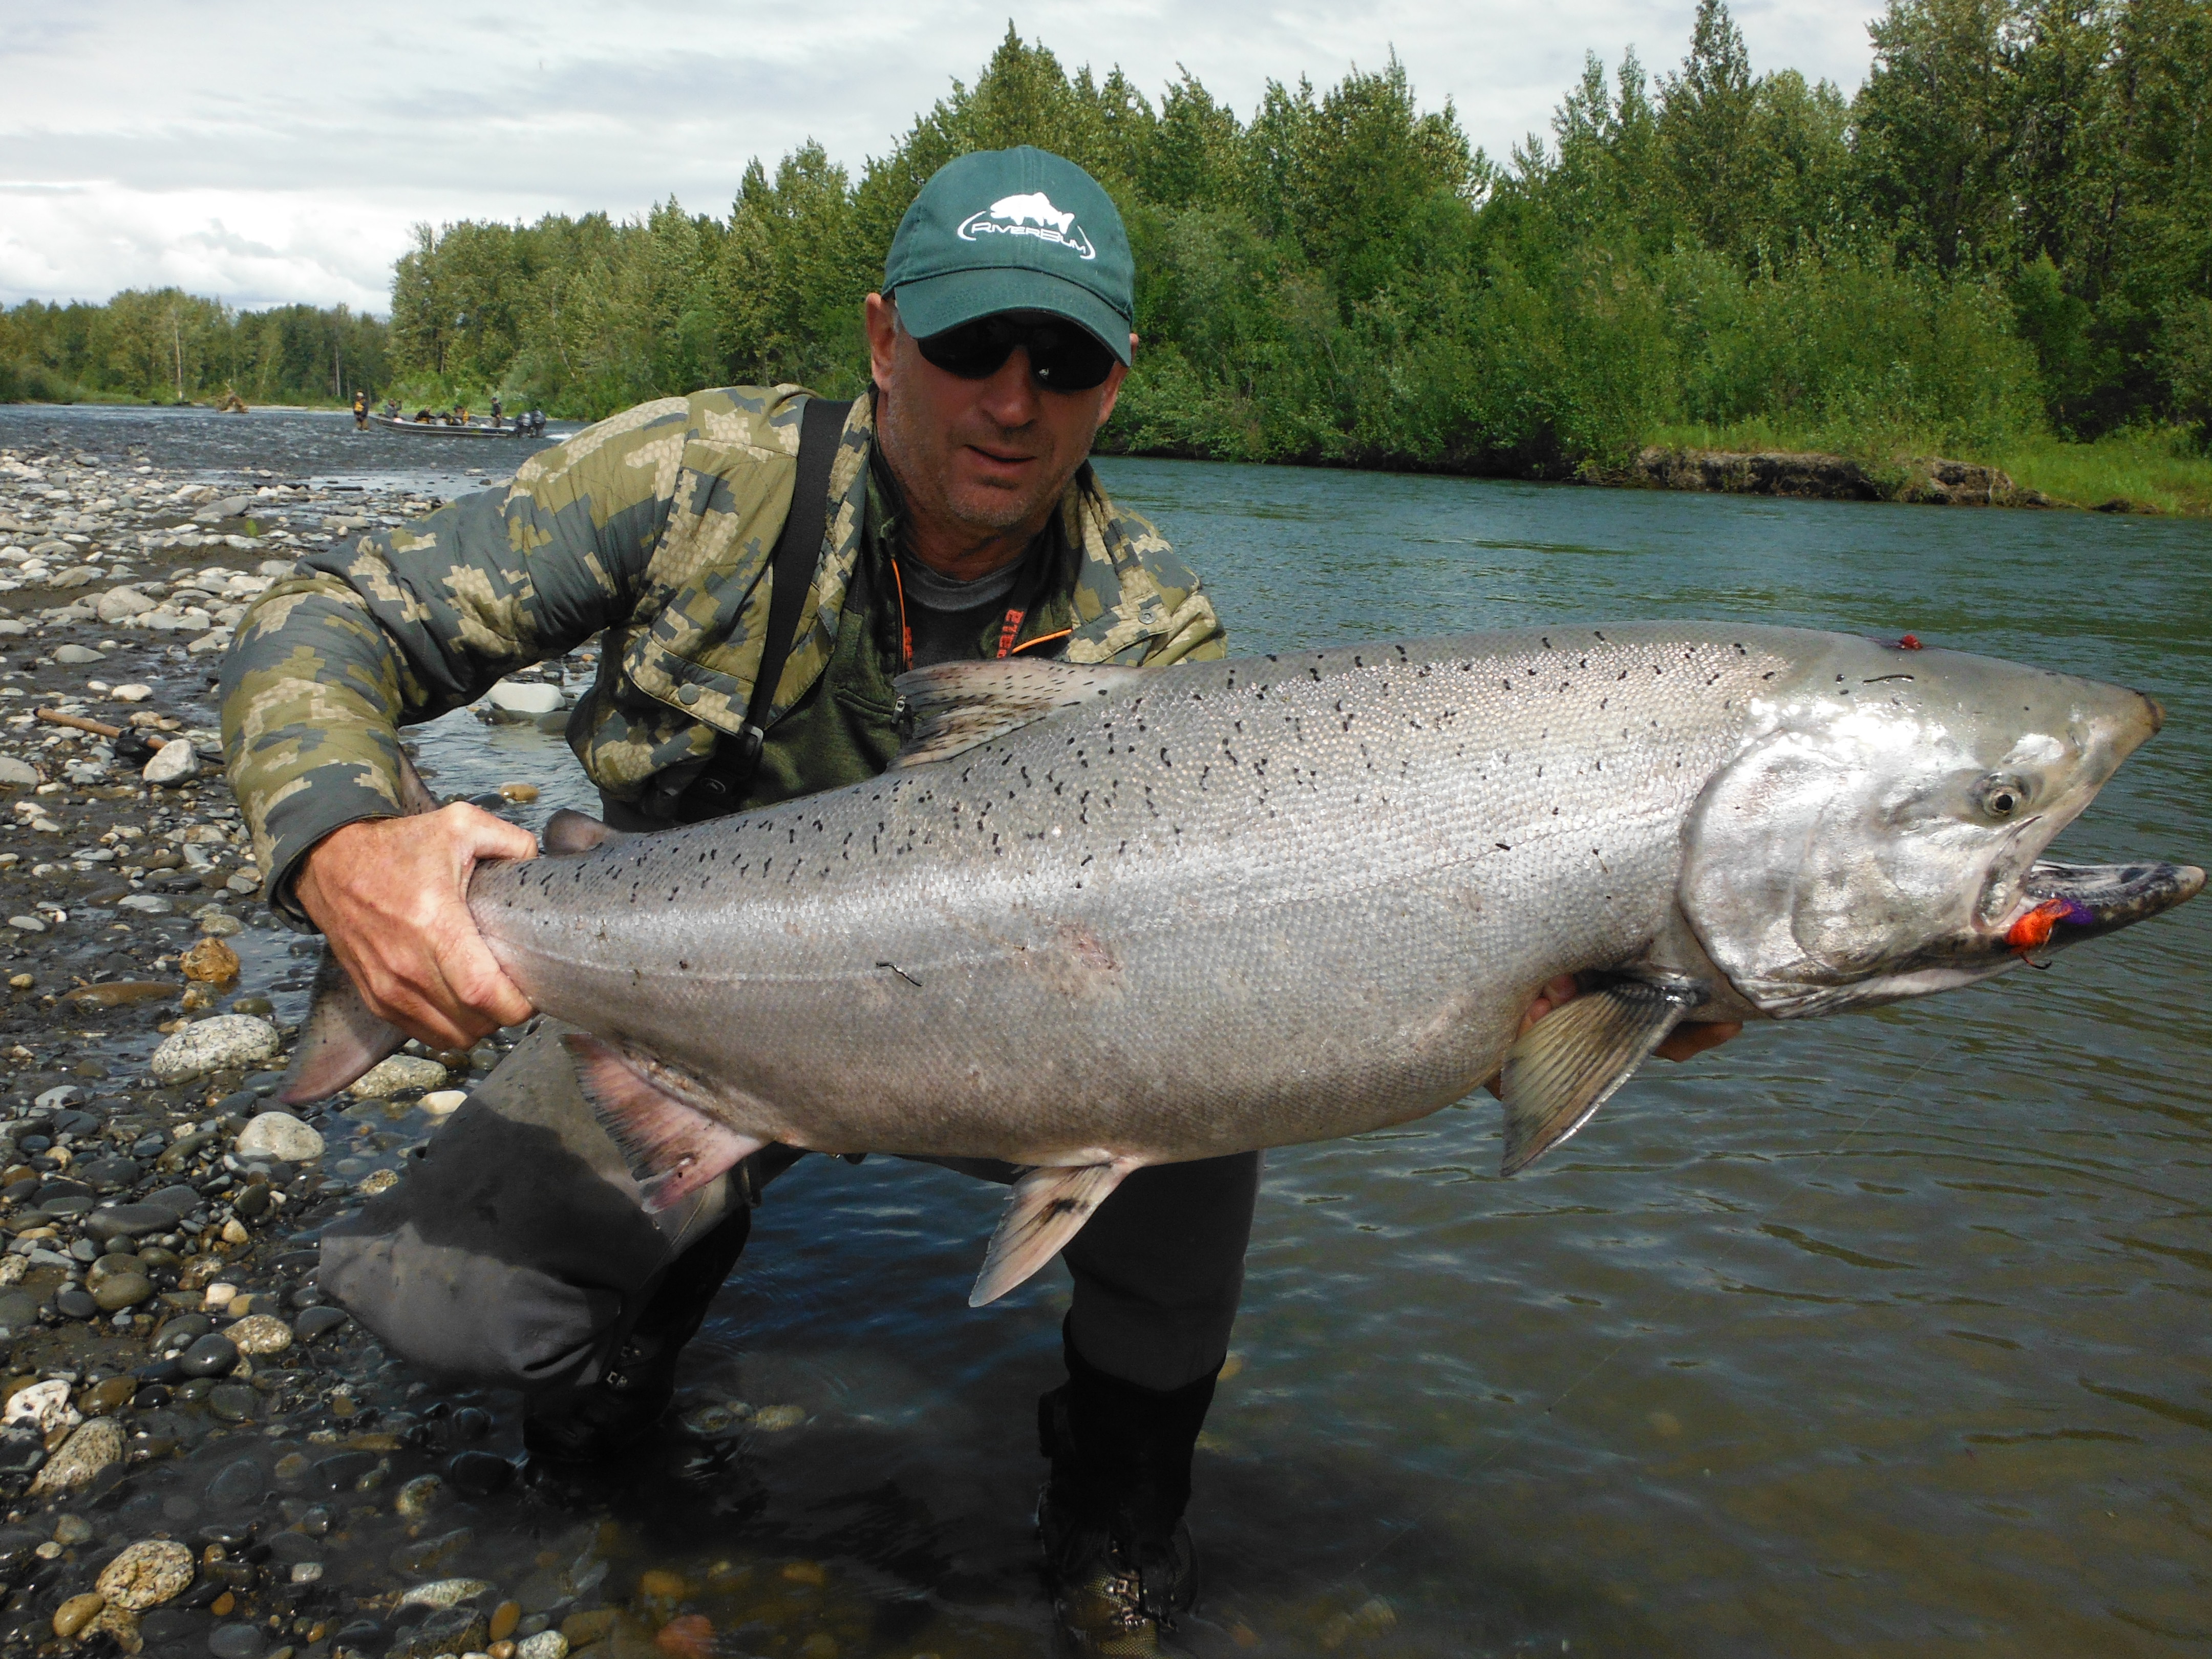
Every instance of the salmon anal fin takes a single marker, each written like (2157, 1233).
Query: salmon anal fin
(1046, 1208)
(343, 1040)
(672, 1148)
(568, 832)
(1568, 1063)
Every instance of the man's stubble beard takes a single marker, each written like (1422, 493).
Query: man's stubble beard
(923, 469)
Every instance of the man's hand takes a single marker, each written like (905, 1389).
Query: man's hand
(1682, 1043)
(390, 895)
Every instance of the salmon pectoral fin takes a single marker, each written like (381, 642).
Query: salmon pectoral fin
(342, 1039)
(672, 1147)
(1568, 1063)
(1046, 1208)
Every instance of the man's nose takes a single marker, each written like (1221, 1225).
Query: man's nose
(1010, 397)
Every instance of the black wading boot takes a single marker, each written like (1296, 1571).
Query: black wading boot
(1119, 1555)
(582, 1426)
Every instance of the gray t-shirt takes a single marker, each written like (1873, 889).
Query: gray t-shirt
(946, 616)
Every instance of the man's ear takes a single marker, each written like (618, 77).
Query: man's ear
(880, 312)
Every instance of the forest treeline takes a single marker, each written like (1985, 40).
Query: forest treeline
(2006, 232)
(2005, 235)
(164, 344)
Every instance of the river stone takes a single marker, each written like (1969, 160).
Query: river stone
(417, 1499)
(211, 1356)
(233, 1402)
(120, 1291)
(281, 1135)
(449, 1630)
(129, 1221)
(16, 774)
(71, 1303)
(236, 1485)
(546, 1644)
(174, 761)
(397, 1075)
(426, 1555)
(73, 1614)
(117, 603)
(525, 697)
(317, 1322)
(18, 1308)
(44, 1405)
(77, 656)
(444, 1592)
(226, 1042)
(235, 1642)
(259, 1333)
(91, 1448)
(147, 1574)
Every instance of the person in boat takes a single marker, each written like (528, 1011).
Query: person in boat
(422, 417)
(392, 409)
(495, 408)
(963, 523)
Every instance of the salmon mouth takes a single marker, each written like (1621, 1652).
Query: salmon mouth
(2063, 904)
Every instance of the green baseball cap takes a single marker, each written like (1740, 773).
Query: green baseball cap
(1016, 229)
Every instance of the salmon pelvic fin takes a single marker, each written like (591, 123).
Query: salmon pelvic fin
(342, 1039)
(672, 1147)
(1046, 1208)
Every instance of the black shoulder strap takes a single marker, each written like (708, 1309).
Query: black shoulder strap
(797, 552)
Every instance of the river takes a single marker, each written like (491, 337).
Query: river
(1884, 1334)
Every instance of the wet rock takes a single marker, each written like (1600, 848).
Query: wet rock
(236, 1485)
(73, 1614)
(225, 1042)
(280, 1135)
(129, 1221)
(398, 1075)
(425, 1556)
(209, 962)
(479, 1474)
(504, 1618)
(105, 1174)
(778, 1417)
(339, 1472)
(77, 656)
(235, 1642)
(580, 1630)
(419, 1497)
(147, 1574)
(259, 1334)
(73, 1304)
(546, 1644)
(449, 1630)
(23, 1449)
(92, 1448)
(210, 1356)
(105, 1398)
(233, 1403)
(445, 1592)
(121, 1290)
(441, 1102)
(317, 1321)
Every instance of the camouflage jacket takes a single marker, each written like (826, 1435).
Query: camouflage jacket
(657, 526)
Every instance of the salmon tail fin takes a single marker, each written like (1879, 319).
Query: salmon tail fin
(1568, 1063)
(342, 1039)
(568, 832)
(1046, 1208)
(672, 1148)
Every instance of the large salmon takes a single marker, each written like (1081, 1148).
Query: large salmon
(1098, 918)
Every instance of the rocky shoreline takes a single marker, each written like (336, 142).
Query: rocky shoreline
(1808, 476)
(198, 1454)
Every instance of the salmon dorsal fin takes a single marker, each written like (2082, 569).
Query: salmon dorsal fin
(1568, 1064)
(567, 834)
(958, 705)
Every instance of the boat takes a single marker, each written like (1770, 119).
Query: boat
(447, 429)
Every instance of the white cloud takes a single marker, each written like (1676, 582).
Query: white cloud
(271, 155)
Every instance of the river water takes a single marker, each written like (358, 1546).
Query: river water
(1884, 1334)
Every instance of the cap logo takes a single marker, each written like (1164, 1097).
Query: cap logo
(1032, 214)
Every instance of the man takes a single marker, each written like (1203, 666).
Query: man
(360, 410)
(960, 519)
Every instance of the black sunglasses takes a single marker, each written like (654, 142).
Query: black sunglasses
(1063, 357)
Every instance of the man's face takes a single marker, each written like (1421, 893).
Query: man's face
(979, 460)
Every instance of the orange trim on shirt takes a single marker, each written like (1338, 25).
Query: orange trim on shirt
(1042, 639)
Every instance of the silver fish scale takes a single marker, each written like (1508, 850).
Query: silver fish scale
(1234, 904)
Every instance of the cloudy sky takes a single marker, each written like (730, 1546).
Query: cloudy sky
(268, 154)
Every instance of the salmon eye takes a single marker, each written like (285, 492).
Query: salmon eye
(2001, 796)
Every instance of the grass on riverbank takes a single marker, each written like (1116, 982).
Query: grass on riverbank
(2153, 470)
